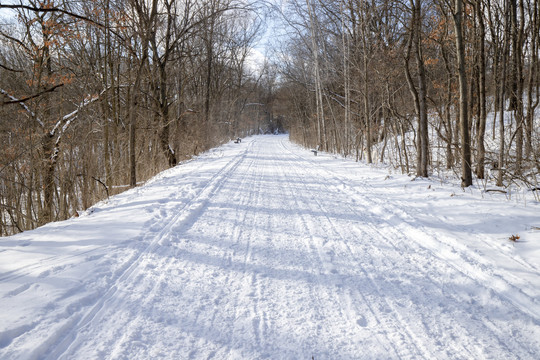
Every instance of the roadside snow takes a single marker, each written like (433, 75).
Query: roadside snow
(260, 250)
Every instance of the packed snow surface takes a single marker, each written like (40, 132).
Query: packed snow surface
(260, 250)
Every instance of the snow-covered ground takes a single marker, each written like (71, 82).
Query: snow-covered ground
(261, 250)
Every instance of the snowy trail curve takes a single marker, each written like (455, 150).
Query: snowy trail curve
(260, 251)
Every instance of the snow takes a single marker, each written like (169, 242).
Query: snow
(260, 250)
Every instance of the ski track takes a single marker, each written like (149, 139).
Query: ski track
(398, 222)
(135, 269)
(397, 232)
(271, 254)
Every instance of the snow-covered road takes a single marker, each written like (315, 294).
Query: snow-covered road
(260, 250)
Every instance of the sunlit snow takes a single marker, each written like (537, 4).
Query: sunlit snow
(260, 250)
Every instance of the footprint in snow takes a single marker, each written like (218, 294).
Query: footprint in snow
(362, 322)
(44, 274)
(18, 290)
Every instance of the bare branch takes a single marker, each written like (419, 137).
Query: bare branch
(10, 69)
(58, 10)
(15, 101)
(23, 105)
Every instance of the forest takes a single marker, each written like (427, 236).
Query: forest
(373, 72)
(99, 96)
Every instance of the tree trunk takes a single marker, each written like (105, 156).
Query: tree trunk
(500, 162)
(48, 178)
(422, 91)
(482, 90)
(367, 117)
(466, 175)
(419, 95)
(165, 122)
(321, 128)
(533, 71)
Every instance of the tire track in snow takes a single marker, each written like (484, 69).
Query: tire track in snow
(387, 320)
(405, 242)
(318, 279)
(232, 253)
(64, 344)
(262, 275)
(477, 269)
(241, 245)
(251, 319)
(376, 232)
(490, 274)
(257, 314)
(317, 310)
(385, 306)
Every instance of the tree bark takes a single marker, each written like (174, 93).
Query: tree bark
(419, 94)
(482, 90)
(422, 91)
(466, 175)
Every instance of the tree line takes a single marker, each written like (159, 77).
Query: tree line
(97, 96)
(423, 85)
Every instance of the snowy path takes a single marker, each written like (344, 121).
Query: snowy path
(262, 251)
